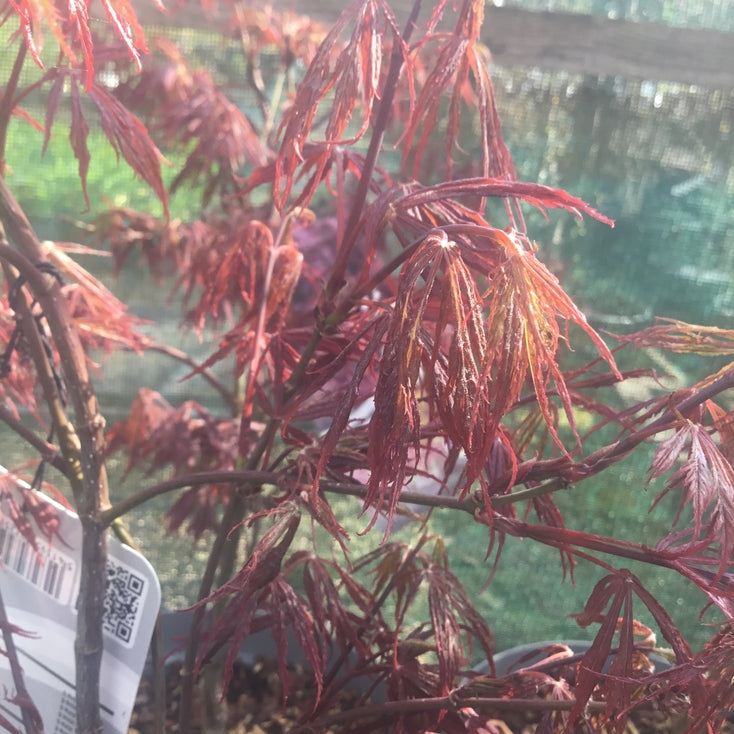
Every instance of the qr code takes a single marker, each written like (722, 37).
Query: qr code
(124, 598)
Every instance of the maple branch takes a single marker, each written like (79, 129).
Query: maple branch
(28, 710)
(252, 478)
(562, 538)
(370, 161)
(608, 455)
(49, 453)
(448, 502)
(361, 291)
(85, 459)
(232, 517)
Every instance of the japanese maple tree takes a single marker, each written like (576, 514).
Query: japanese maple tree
(379, 328)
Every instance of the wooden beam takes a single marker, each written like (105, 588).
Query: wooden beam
(588, 44)
(582, 44)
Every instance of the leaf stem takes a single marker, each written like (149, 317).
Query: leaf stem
(49, 453)
(378, 133)
(28, 711)
(180, 356)
(8, 102)
(253, 478)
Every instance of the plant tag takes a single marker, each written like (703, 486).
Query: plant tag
(40, 591)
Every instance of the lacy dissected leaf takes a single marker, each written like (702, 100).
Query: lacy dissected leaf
(397, 570)
(453, 613)
(254, 278)
(467, 354)
(129, 138)
(351, 74)
(295, 35)
(712, 695)
(395, 426)
(69, 21)
(611, 604)
(460, 67)
(239, 278)
(193, 251)
(343, 409)
(18, 379)
(289, 610)
(327, 606)
(23, 504)
(706, 477)
(724, 425)
(525, 303)
(246, 590)
(678, 336)
(191, 112)
(9, 487)
(187, 438)
(103, 321)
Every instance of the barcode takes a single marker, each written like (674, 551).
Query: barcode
(52, 571)
(66, 718)
(124, 596)
(48, 569)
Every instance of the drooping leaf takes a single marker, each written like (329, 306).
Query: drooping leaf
(192, 113)
(288, 609)
(333, 619)
(452, 612)
(706, 477)
(129, 138)
(78, 133)
(345, 404)
(458, 67)
(246, 590)
(611, 604)
(103, 321)
(18, 377)
(678, 336)
(352, 74)
(69, 21)
(525, 302)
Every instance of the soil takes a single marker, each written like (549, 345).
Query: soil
(254, 705)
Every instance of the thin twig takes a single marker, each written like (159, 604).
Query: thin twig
(181, 356)
(49, 453)
(32, 721)
(8, 101)
(253, 478)
(392, 709)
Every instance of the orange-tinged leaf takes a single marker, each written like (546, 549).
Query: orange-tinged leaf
(69, 21)
(526, 302)
(103, 321)
(678, 336)
(78, 133)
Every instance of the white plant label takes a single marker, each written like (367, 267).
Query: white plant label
(40, 590)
